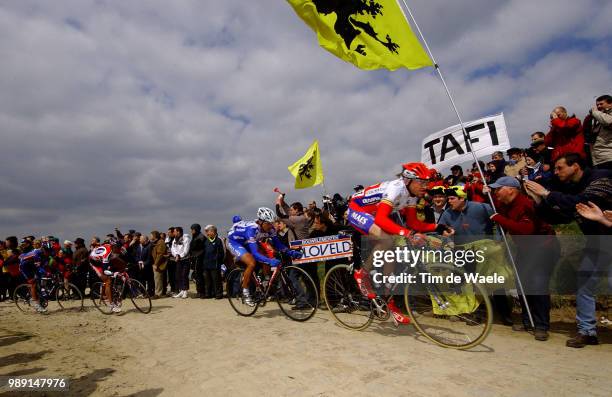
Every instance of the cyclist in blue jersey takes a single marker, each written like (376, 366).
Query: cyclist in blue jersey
(242, 243)
(32, 267)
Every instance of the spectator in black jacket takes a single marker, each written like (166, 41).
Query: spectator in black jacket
(145, 265)
(580, 185)
(196, 253)
(214, 256)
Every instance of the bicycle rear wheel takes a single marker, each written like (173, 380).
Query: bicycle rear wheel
(69, 298)
(296, 294)
(98, 297)
(139, 296)
(344, 300)
(23, 298)
(235, 296)
(453, 315)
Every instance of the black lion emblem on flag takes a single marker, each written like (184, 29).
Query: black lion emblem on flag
(348, 28)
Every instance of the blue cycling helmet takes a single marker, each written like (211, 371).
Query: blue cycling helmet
(236, 219)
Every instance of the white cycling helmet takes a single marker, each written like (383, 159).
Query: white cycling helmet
(266, 214)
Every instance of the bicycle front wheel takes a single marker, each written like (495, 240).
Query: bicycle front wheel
(98, 297)
(23, 298)
(344, 300)
(296, 294)
(235, 295)
(139, 296)
(456, 315)
(69, 298)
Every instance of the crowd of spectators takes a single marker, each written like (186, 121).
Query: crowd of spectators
(563, 175)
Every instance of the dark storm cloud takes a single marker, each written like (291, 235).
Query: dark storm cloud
(145, 115)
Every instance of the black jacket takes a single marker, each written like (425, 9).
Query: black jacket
(213, 254)
(560, 205)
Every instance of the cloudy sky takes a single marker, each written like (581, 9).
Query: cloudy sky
(143, 114)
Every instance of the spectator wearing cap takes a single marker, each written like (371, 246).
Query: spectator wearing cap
(471, 221)
(565, 135)
(180, 253)
(196, 254)
(456, 177)
(438, 204)
(294, 217)
(516, 163)
(578, 184)
(544, 152)
(600, 126)
(159, 256)
(517, 215)
(214, 255)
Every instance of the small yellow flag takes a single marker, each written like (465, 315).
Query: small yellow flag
(308, 170)
(370, 34)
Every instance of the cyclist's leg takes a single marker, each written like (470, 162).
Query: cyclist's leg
(249, 261)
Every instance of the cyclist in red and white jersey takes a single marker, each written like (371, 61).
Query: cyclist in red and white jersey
(369, 212)
(109, 256)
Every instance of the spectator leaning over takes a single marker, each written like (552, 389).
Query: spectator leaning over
(180, 253)
(537, 251)
(516, 163)
(565, 135)
(470, 220)
(213, 257)
(160, 261)
(580, 185)
(196, 254)
(600, 125)
(294, 217)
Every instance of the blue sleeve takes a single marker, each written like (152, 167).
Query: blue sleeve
(251, 243)
(254, 249)
(278, 245)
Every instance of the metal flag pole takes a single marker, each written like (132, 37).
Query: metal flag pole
(466, 138)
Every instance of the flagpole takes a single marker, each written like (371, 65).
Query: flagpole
(466, 138)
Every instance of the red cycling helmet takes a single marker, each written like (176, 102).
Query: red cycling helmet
(415, 171)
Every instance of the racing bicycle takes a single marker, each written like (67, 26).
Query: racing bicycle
(122, 286)
(49, 288)
(443, 305)
(291, 287)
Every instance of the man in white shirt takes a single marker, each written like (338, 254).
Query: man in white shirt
(180, 251)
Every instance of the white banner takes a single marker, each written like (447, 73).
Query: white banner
(323, 248)
(448, 147)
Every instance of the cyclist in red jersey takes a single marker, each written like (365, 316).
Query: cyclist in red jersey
(369, 212)
(109, 256)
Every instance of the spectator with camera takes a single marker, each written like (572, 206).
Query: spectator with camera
(565, 135)
(294, 217)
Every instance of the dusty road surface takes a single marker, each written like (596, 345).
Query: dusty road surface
(202, 348)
